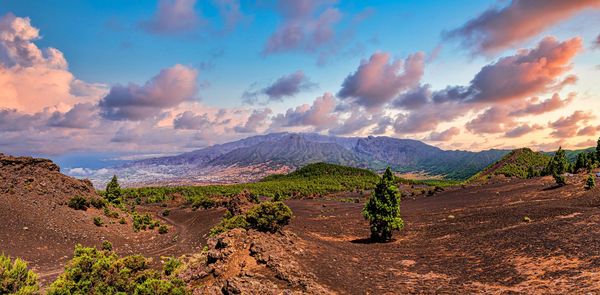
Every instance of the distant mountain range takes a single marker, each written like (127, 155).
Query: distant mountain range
(255, 157)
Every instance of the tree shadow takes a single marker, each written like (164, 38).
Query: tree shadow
(371, 241)
(553, 187)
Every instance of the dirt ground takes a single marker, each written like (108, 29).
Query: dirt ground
(463, 240)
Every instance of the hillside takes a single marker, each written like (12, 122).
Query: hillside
(515, 164)
(253, 158)
(38, 225)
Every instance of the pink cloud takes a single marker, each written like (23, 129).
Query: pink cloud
(168, 89)
(522, 130)
(588, 131)
(306, 26)
(567, 126)
(173, 17)
(319, 115)
(535, 107)
(379, 79)
(500, 28)
(445, 135)
(33, 79)
(286, 86)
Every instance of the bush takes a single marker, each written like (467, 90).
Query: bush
(16, 278)
(93, 271)
(228, 223)
(122, 220)
(143, 222)
(98, 221)
(383, 209)
(203, 202)
(79, 203)
(106, 245)
(110, 214)
(98, 203)
(166, 212)
(171, 265)
(591, 182)
(269, 216)
(163, 229)
(557, 166)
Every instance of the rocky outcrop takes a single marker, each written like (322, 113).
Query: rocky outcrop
(250, 262)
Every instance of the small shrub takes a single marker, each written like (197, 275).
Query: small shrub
(79, 203)
(93, 271)
(143, 222)
(98, 203)
(163, 229)
(590, 182)
(107, 246)
(228, 223)
(203, 202)
(269, 216)
(526, 219)
(171, 265)
(110, 214)
(166, 212)
(98, 221)
(122, 220)
(16, 277)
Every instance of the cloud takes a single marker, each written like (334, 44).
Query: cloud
(285, 86)
(445, 135)
(567, 126)
(414, 99)
(492, 120)
(173, 17)
(191, 121)
(33, 79)
(379, 79)
(231, 13)
(534, 107)
(81, 116)
(168, 89)
(307, 25)
(319, 115)
(257, 119)
(500, 28)
(427, 118)
(357, 121)
(522, 130)
(526, 73)
(588, 131)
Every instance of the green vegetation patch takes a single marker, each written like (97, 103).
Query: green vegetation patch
(93, 271)
(16, 277)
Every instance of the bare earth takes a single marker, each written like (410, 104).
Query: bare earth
(472, 239)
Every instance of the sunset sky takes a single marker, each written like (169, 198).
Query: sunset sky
(94, 81)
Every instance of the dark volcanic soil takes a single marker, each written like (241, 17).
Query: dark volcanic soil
(464, 240)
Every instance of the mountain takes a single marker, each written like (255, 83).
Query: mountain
(515, 164)
(255, 157)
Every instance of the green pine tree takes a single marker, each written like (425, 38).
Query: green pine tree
(598, 151)
(591, 182)
(383, 209)
(113, 191)
(558, 166)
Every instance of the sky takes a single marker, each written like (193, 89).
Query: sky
(90, 83)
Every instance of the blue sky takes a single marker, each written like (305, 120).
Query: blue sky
(141, 78)
(103, 42)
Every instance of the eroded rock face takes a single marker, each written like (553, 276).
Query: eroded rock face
(241, 203)
(250, 262)
(8, 162)
(27, 176)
